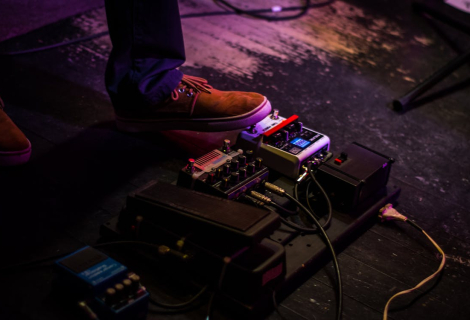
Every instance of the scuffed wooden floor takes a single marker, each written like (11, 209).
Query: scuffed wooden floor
(338, 68)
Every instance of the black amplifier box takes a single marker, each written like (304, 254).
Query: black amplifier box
(353, 176)
(184, 211)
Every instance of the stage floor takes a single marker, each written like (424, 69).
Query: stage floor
(338, 68)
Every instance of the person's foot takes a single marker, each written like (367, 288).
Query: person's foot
(195, 105)
(15, 149)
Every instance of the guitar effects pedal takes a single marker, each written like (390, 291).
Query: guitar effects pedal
(284, 144)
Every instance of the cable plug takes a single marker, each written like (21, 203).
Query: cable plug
(164, 250)
(388, 213)
(273, 188)
(303, 175)
(256, 202)
(87, 310)
(260, 197)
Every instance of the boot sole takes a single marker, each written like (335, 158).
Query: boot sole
(15, 158)
(202, 124)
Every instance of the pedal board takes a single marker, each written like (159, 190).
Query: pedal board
(273, 150)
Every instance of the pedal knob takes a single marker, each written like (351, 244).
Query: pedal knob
(285, 135)
(119, 287)
(219, 173)
(127, 287)
(299, 126)
(252, 129)
(226, 169)
(251, 168)
(242, 160)
(110, 296)
(276, 138)
(226, 146)
(275, 114)
(234, 165)
(258, 163)
(135, 282)
(190, 166)
(225, 182)
(249, 155)
(235, 177)
(291, 127)
(242, 173)
(211, 178)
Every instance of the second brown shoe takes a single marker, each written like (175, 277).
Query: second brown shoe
(197, 106)
(15, 148)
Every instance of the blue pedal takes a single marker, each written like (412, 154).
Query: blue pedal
(102, 286)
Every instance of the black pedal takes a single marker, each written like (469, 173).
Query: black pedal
(185, 211)
(224, 173)
(353, 176)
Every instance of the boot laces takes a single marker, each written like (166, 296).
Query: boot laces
(191, 85)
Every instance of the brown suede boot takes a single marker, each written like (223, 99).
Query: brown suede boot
(195, 105)
(15, 149)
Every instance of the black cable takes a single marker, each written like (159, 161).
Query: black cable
(330, 209)
(296, 191)
(227, 261)
(182, 305)
(258, 203)
(330, 246)
(297, 227)
(258, 13)
(278, 206)
(55, 45)
(43, 260)
(293, 225)
(276, 307)
(178, 306)
(32, 263)
(254, 13)
(143, 243)
(307, 200)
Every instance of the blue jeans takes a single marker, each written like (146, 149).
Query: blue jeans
(147, 48)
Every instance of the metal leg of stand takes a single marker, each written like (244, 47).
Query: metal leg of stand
(423, 8)
(402, 103)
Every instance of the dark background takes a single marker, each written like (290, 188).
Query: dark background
(82, 168)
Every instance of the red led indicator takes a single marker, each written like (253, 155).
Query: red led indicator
(338, 161)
